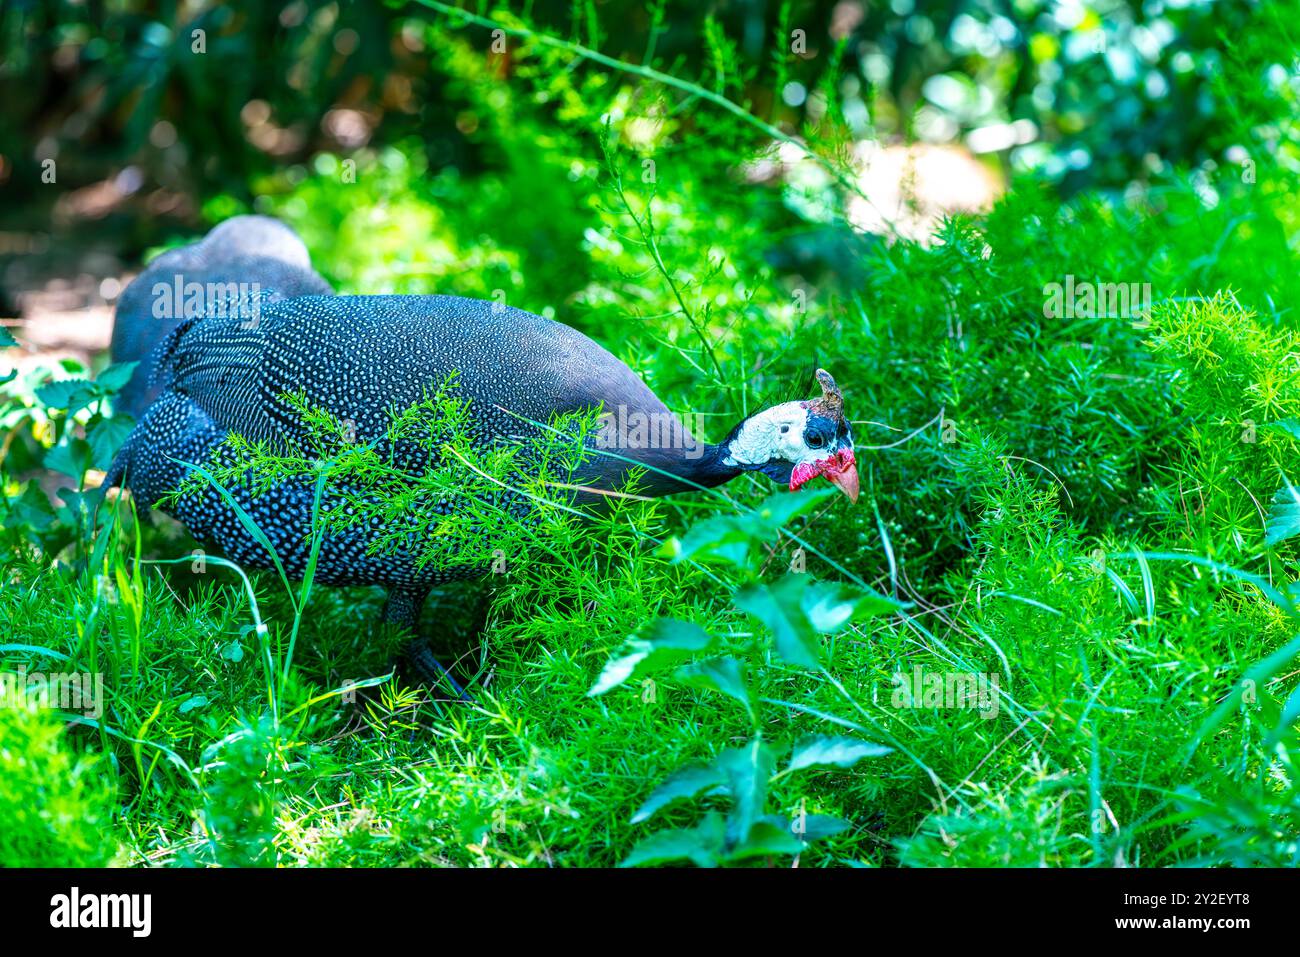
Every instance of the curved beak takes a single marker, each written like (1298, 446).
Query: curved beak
(846, 480)
(842, 472)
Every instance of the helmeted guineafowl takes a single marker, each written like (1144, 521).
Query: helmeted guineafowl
(249, 252)
(362, 358)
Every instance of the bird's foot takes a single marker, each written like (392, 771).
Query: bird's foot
(422, 661)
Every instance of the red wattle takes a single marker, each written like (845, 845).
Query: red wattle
(807, 471)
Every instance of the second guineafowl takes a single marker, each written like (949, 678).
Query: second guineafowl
(244, 253)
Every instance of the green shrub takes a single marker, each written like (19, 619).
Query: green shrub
(58, 801)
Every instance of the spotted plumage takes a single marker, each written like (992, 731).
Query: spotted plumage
(362, 358)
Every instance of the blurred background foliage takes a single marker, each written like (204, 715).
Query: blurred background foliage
(1081, 94)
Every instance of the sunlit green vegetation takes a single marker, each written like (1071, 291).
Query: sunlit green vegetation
(1074, 509)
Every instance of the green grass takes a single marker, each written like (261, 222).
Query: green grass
(1075, 506)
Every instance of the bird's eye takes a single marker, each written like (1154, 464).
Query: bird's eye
(785, 429)
(815, 441)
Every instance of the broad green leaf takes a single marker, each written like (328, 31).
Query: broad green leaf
(830, 606)
(67, 394)
(779, 607)
(687, 782)
(779, 508)
(662, 643)
(817, 827)
(701, 844)
(190, 704)
(72, 458)
(1284, 515)
(837, 751)
(32, 509)
(233, 651)
(76, 506)
(797, 609)
(747, 770)
(115, 376)
(724, 675)
(106, 437)
(1290, 426)
(721, 539)
(770, 836)
(730, 538)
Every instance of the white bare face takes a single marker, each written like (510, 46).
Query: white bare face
(796, 442)
(775, 433)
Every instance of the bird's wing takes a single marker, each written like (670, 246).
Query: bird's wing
(364, 358)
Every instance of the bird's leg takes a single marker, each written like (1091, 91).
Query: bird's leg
(403, 607)
(402, 610)
(420, 656)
